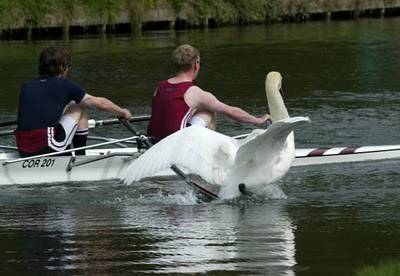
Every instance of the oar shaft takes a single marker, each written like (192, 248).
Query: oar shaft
(92, 123)
(6, 132)
(193, 184)
(8, 123)
(95, 123)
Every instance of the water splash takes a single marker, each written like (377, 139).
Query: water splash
(161, 198)
(261, 192)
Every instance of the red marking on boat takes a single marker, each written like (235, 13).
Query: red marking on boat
(318, 152)
(348, 151)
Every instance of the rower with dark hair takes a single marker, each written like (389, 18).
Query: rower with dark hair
(52, 109)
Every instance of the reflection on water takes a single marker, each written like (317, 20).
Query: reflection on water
(330, 220)
(109, 232)
(227, 238)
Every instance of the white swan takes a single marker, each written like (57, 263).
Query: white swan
(263, 157)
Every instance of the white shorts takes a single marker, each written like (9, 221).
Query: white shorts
(197, 120)
(60, 137)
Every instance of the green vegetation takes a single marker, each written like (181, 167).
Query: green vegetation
(43, 13)
(15, 14)
(384, 268)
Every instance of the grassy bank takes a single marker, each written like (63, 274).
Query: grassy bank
(42, 13)
(384, 268)
(16, 14)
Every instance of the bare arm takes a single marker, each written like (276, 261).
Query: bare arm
(105, 105)
(196, 98)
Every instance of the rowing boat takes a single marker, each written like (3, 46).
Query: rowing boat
(102, 164)
(96, 165)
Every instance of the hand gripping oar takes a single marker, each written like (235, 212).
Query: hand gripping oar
(208, 194)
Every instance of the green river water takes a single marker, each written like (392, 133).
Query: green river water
(322, 220)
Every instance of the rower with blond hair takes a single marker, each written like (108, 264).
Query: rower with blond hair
(178, 102)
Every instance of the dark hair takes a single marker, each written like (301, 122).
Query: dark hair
(53, 61)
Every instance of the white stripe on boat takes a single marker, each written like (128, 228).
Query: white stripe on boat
(320, 156)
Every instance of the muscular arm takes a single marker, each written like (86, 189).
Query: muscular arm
(105, 105)
(198, 99)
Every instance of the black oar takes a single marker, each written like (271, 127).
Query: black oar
(208, 194)
(8, 123)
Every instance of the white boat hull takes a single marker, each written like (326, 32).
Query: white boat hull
(321, 156)
(62, 169)
(55, 169)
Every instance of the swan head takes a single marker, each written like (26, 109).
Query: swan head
(273, 88)
(273, 81)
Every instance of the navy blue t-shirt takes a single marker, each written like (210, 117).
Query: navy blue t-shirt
(42, 101)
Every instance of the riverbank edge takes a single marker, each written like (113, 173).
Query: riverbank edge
(133, 16)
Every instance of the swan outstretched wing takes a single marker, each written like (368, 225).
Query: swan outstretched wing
(201, 151)
(269, 142)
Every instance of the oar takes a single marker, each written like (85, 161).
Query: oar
(92, 123)
(95, 123)
(8, 123)
(209, 195)
(6, 132)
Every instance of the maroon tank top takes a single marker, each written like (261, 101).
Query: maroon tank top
(170, 112)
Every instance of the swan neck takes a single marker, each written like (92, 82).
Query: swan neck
(276, 105)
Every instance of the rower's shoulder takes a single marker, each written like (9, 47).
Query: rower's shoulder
(49, 81)
(29, 82)
(195, 89)
(30, 85)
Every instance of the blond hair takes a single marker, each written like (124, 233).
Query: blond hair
(184, 56)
